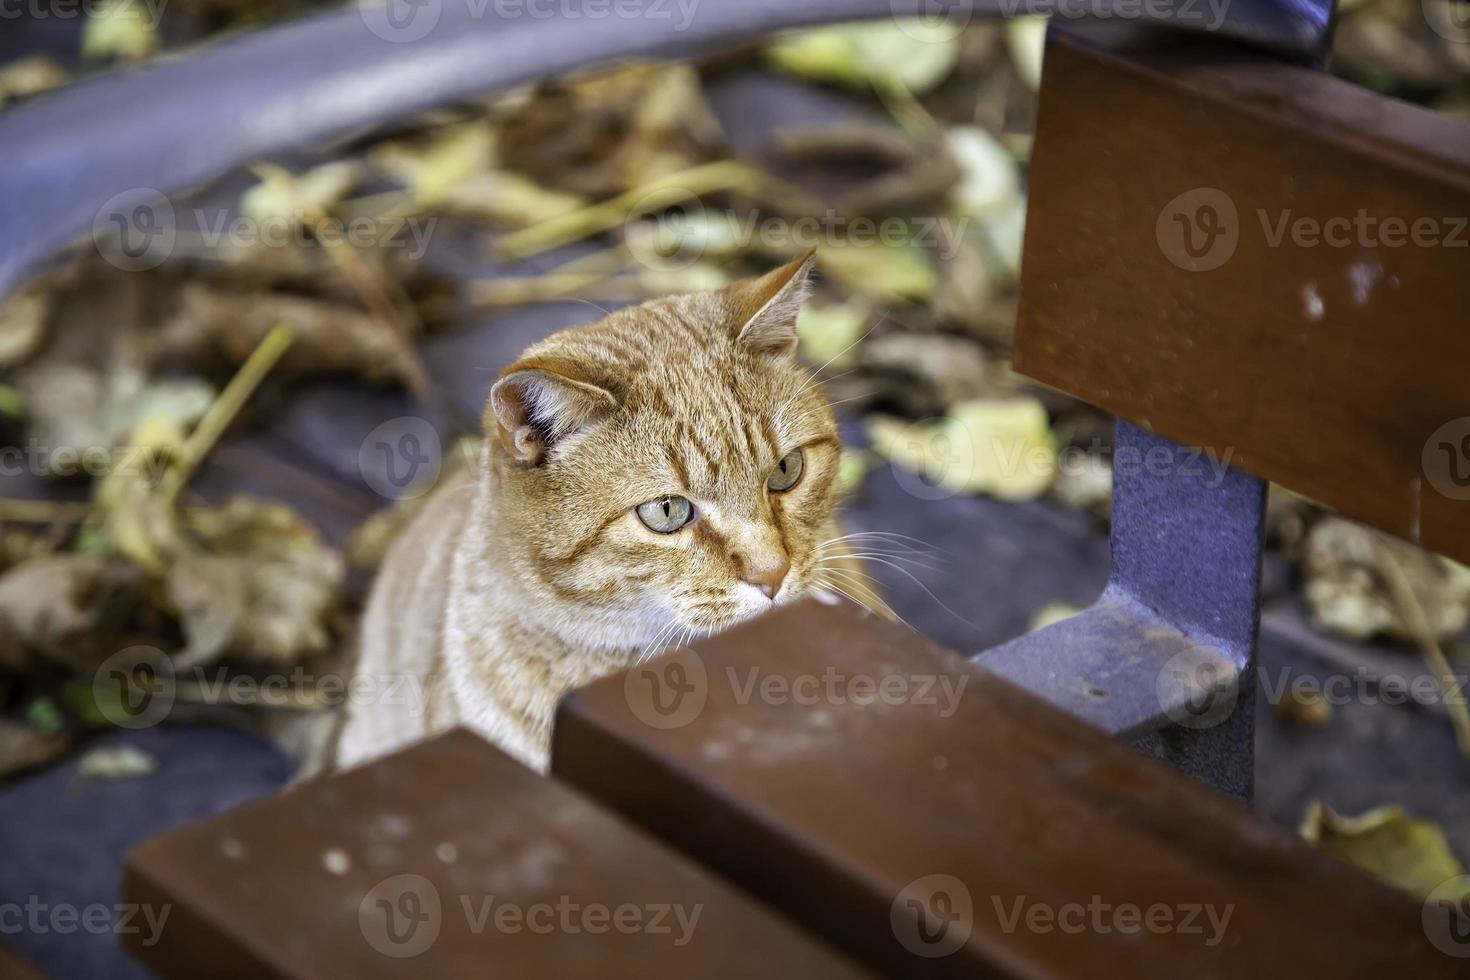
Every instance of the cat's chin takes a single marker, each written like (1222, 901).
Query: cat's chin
(742, 612)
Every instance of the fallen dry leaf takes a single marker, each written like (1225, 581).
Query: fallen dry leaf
(123, 29)
(66, 607)
(1348, 593)
(909, 52)
(23, 747)
(30, 76)
(1386, 842)
(116, 762)
(611, 131)
(331, 338)
(1000, 447)
(23, 323)
(256, 581)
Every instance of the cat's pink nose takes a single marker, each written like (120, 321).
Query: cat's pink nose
(769, 577)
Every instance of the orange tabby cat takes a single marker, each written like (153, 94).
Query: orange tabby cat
(658, 475)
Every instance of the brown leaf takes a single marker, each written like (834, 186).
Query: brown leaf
(23, 747)
(256, 581)
(66, 607)
(611, 131)
(330, 338)
(1348, 592)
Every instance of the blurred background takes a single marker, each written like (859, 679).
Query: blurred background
(215, 416)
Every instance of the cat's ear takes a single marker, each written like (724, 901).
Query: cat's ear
(766, 307)
(537, 403)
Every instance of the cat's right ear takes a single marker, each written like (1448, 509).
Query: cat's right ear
(534, 406)
(766, 308)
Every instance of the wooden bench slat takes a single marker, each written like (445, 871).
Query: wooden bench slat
(401, 868)
(1331, 368)
(831, 811)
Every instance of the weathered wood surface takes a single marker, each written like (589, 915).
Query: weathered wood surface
(447, 860)
(1262, 260)
(1034, 843)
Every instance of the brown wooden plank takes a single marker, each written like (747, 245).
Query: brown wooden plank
(446, 860)
(1337, 370)
(1009, 820)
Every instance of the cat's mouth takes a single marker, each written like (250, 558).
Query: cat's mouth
(739, 609)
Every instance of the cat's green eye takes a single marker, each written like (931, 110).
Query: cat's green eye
(787, 472)
(666, 514)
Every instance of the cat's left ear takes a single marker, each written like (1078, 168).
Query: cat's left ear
(539, 401)
(766, 307)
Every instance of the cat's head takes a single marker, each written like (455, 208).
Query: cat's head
(669, 467)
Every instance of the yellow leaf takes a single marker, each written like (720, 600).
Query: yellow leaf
(882, 271)
(1000, 447)
(911, 53)
(120, 29)
(829, 334)
(1386, 842)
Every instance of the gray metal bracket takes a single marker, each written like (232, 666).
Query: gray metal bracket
(1166, 657)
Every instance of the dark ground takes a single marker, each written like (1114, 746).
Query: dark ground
(62, 838)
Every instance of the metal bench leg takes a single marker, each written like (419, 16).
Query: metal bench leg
(1187, 537)
(1166, 658)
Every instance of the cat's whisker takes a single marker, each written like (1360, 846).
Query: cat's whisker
(887, 556)
(656, 648)
(808, 385)
(859, 548)
(858, 586)
(927, 591)
(866, 334)
(886, 609)
(891, 537)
